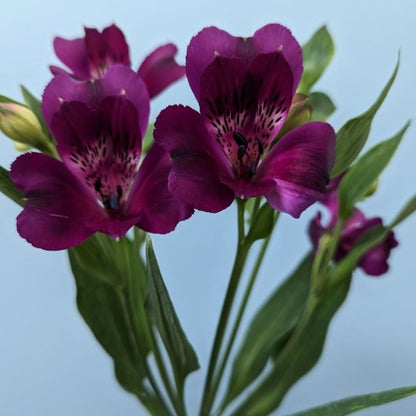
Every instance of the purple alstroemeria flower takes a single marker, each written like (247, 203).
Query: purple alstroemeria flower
(244, 87)
(374, 261)
(90, 57)
(100, 184)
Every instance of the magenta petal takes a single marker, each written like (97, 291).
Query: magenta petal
(273, 37)
(121, 80)
(223, 104)
(158, 210)
(118, 81)
(105, 49)
(89, 140)
(73, 54)
(316, 230)
(274, 95)
(374, 262)
(298, 166)
(59, 212)
(203, 48)
(61, 88)
(199, 165)
(159, 69)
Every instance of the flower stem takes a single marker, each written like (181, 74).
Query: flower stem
(241, 310)
(239, 262)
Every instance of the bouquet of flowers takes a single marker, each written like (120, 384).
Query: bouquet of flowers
(96, 178)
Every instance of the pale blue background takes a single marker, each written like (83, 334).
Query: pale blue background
(49, 362)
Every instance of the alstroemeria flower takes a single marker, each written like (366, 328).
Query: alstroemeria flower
(244, 87)
(374, 261)
(100, 184)
(90, 57)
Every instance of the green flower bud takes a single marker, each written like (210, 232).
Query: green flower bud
(20, 124)
(300, 112)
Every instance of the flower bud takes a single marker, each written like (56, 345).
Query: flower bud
(300, 112)
(20, 124)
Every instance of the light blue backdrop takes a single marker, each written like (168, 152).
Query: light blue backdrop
(49, 362)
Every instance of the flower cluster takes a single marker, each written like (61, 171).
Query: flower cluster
(238, 145)
(98, 116)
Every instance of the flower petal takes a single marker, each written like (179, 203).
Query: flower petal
(202, 50)
(211, 42)
(316, 229)
(298, 167)
(150, 198)
(118, 81)
(274, 96)
(199, 164)
(105, 49)
(273, 37)
(228, 102)
(159, 69)
(374, 262)
(59, 212)
(73, 54)
(100, 146)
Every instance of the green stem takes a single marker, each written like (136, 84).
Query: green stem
(241, 311)
(239, 262)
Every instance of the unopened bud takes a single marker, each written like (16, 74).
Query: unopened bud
(20, 124)
(300, 112)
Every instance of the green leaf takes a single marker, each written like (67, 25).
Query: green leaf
(271, 326)
(360, 177)
(109, 277)
(317, 55)
(4, 99)
(353, 135)
(34, 104)
(104, 308)
(7, 187)
(322, 106)
(162, 312)
(407, 210)
(354, 404)
(262, 223)
(298, 355)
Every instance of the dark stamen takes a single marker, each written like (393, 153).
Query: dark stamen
(98, 185)
(260, 146)
(240, 139)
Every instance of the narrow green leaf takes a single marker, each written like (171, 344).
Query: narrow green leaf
(317, 55)
(353, 135)
(270, 327)
(407, 210)
(161, 309)
(361, 176)
(299, 354)
(34, 104)
(4, 99)
(7, 187)
(322, 106)
(262, 224)
(354, 404)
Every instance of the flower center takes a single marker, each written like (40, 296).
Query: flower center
(108, 168)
